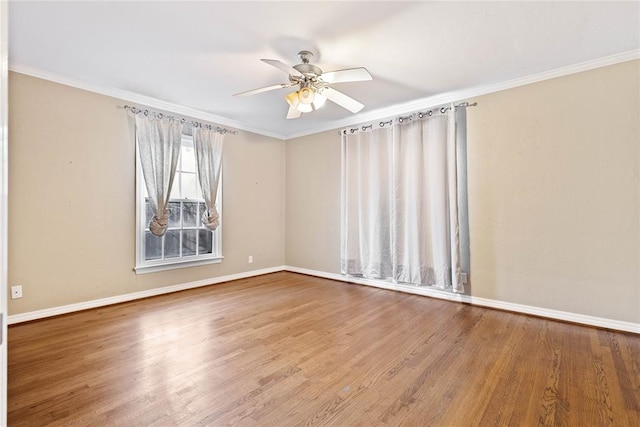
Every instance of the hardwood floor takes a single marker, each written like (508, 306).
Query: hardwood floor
(288, 349)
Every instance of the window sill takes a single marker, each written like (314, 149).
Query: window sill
(154, 268)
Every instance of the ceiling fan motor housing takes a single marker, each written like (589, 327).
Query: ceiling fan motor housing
(308, 70)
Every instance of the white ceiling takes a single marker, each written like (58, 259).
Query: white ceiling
(198, 54)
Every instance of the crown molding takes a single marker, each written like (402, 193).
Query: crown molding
(135, 98)
(460, 95)
(372, 115)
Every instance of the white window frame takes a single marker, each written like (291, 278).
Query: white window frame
(151, 266)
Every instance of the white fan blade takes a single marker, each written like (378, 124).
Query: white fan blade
(282, 66)
(342, 100)
(293, 113)
(263, 89)
(347, 75)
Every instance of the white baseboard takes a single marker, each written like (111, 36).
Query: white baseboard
(429, 292)
(482, 302)
(70, 308)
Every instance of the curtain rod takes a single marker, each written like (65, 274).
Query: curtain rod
(442, 110)
(408, 117)
(194, 123)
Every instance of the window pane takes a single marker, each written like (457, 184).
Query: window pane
(172, 244)
(190, 188)
(152, 246)
(188, 159)
(175, 187)
(189, 214)
(147, 213)
(174, 214)
(189, 242)
(201, 208)
(205, 244)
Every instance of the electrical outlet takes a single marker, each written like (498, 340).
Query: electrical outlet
(250, 259)
(16, 292)
(465, 278)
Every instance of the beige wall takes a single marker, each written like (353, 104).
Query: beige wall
(72, 199)
(313, 202)
(554, 195)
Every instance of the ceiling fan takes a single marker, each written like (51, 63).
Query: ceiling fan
(313, 86)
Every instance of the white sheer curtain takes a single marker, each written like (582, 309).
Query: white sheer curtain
(425, 220)
(400, 218)
(159, 147)
(208, 149)
(366, 204)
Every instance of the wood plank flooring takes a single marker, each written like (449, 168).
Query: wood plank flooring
(286, 349)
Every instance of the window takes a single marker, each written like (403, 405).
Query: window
(187, 242)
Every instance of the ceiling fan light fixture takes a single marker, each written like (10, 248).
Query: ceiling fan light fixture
(304, 108)
(319, 101)
(306, 95)
(293, 99)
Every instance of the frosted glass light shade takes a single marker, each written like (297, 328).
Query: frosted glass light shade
(319, 101)
(304, 108)
(300, 100)
(306, 95)
(292, 99)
